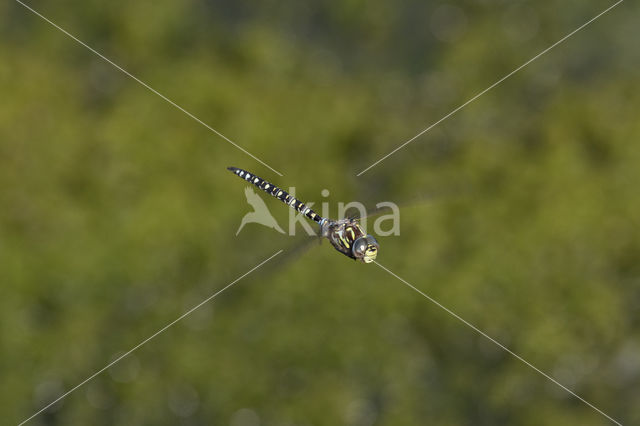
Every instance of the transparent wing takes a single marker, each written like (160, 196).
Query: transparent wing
(292, 253)
(418, 201)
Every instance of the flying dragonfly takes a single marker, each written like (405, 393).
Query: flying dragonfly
(345, 235)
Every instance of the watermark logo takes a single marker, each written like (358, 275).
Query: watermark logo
(260, 213)
(383, 224)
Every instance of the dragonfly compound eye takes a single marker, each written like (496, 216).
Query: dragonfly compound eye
(365, 249)
(359, 247)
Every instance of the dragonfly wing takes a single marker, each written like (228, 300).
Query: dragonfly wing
(293, 253)
(422, 199)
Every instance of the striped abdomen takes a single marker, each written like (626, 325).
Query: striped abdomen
(280, 194)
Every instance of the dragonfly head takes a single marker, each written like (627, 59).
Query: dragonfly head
(365, 249)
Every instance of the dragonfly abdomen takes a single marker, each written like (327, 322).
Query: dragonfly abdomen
(279, 193)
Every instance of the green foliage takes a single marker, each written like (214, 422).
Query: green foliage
(118, 213)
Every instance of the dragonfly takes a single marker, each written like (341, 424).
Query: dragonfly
(345, 235)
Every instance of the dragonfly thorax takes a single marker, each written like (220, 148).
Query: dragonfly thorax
(348, 237)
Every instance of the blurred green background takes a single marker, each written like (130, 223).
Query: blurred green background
(118, 214)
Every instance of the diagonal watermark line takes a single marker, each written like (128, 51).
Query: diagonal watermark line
(145, 85)
(491, 87)
(467, 323)
(163, 329)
